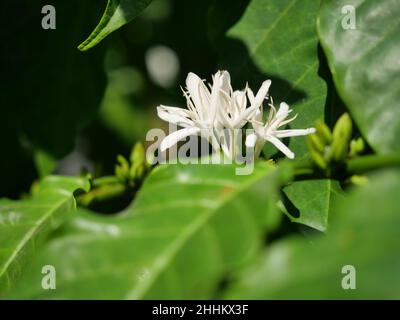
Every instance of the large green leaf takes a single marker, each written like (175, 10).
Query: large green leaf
(314, 201)
(189, 226)
(117, 14)
(365, 236)
(364, 63)
(24, 223)
(277, 39)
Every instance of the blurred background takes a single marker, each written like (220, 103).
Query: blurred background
(65, 111)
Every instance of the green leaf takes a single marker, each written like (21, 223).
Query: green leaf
(25, 223)
(277, 39)
(364, 64)
(188, 227)
(45, 163)
(314, 201)
(117, 14)
(365, 236)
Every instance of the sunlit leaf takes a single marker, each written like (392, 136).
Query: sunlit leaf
(278, 40)
(189, 226)
(25, 223)
(365, 64)
(314, 201)
(117, 14)
(364, 236)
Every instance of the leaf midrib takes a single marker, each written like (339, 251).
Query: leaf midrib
(29, 235)
(173, 250)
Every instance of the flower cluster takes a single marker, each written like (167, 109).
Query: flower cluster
(216, 109)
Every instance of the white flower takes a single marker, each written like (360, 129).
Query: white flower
(201, 112)
(270, 130)
(233, 113)
(209, 113)
(217, 113)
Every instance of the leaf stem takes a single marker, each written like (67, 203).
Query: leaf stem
(102, 193)
(105, 180)
(307, 170)
(372, 162)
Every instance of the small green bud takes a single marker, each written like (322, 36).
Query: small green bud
(138, 154)
(341, 138)
(137, 170)
(315, 152)
(119, 172)
(314, 142)
(357, 146)
(359, 180)
(323, 132)
(122, 169)
(138, 161)
(318, 159)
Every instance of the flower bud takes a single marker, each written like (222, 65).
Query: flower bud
(357, 146)
(323, 132)
(341, 138)
(318, 159)
(314, 142)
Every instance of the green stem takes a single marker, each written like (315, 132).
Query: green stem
(109, 187)
(105, 180)
(102, 193)
(373, 162)
(304, 168)
(360, 165)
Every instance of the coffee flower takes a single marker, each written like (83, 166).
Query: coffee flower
(234, 113)
(217, 113)
(270, 130)
(212, 114)
(201, 112)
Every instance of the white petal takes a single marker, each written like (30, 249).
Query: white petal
(174, 137)
(262, 93)
(283, 123)
(192, 85)
(240, 99)
(224, 119)
(198, 93)
(174, 115)
(225, 81)
(253, 111)
(251, 140)
(283, 111)
(281, 146)
(294, 132)
(281, 115)
(215, 97)
(250, 94)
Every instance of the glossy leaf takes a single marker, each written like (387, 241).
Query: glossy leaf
(277, 39)
(365, 236)
(314, 201)
(364, 64)
(189, 226)
(117, 14)
(24, 223)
